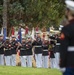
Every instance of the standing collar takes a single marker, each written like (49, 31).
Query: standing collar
(71, 21)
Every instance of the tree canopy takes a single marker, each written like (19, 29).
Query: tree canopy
(33, 12)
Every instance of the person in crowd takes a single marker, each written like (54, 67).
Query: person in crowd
(29, 51)
(14, 45)
(23, 53)
(52, 52)
(7, 52)
(1, 50)
(37, 43)
(57, 52)
(45, 54)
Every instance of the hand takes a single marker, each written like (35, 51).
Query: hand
(16, 44)
(63, 69)
(26, 45)
(34, 39)
(9, 45)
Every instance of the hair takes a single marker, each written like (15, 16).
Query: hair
(72, 12)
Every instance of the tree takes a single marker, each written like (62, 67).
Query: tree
(43, 12)
(32, 12)
(1, 7)
(5, 17)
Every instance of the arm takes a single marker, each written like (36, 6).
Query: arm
(63, 47)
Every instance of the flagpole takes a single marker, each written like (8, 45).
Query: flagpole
(19, 35)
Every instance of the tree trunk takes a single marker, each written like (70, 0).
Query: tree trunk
(5, 14)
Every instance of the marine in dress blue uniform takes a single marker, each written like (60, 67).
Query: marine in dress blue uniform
(14, 45)
(67, 42)
(29, 51)
(7, 52)
(1, 50)
(52, 52)
(23, 53)
(57, 52)
(45, 54)
(37, 43)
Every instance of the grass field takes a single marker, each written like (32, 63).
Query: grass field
(4, 70)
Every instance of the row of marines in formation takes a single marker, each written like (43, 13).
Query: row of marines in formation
(28, 48)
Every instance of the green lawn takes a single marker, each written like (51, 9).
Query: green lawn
(27, 71)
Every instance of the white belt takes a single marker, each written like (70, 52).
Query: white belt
(45, 50)
(71, 49)
(38, 46)
(6, 49)
(27, 48)
(22, 49)
(57, 43)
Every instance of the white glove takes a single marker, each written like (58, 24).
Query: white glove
(63, 69)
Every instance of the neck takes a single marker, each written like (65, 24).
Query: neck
(70, 18)
(23, 42)
(0, 39)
